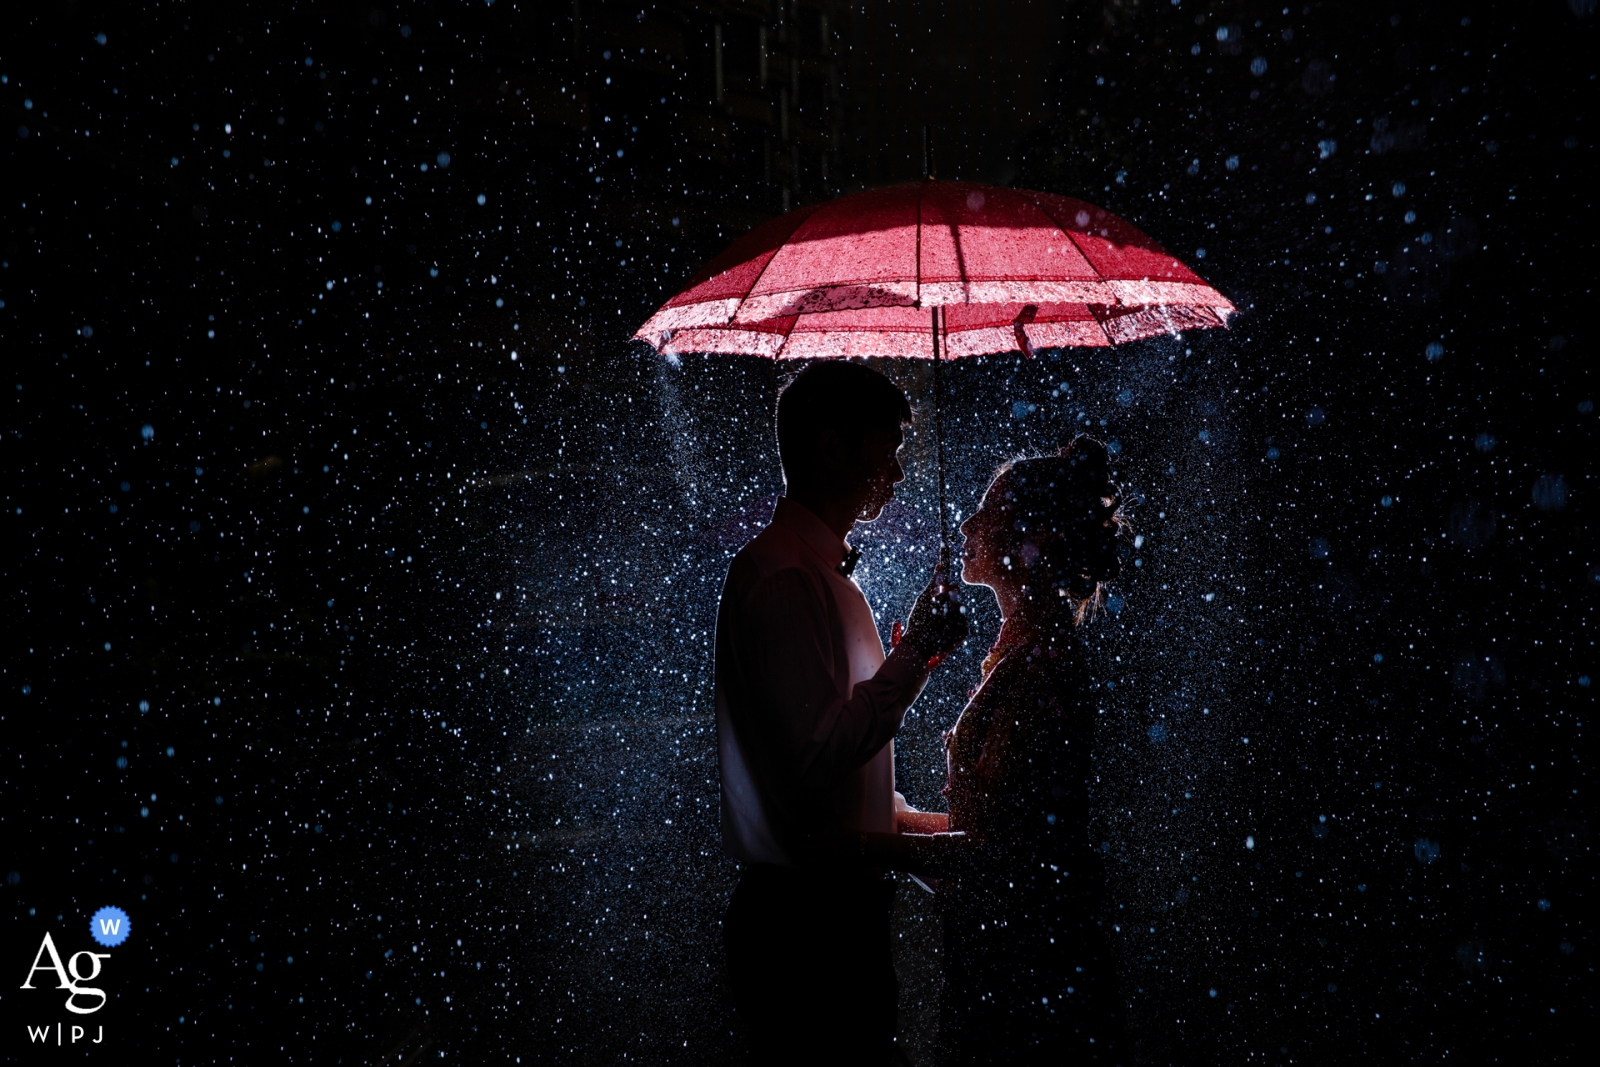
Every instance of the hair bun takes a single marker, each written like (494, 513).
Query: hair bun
(1087, 452)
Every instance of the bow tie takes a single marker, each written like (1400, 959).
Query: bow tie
(852, 556)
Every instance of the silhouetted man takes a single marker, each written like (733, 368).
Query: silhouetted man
(807, 709)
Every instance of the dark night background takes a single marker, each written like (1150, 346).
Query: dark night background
(359, 573)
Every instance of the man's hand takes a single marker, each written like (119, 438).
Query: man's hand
(938, 623)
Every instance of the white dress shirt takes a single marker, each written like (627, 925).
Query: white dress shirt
(807, 706)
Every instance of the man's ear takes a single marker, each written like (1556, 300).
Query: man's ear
(832, 455)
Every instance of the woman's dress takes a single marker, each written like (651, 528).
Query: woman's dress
(1028, 977)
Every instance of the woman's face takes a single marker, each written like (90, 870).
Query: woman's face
(983, 557)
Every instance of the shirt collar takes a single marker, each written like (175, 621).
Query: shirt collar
(804, 524)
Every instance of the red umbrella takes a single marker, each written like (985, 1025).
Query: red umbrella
(933, 244)
(930, 269)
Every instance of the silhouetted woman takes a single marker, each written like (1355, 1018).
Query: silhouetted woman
(1027, 969)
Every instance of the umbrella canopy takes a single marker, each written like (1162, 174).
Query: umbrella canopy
(966, 330)
(934, 244)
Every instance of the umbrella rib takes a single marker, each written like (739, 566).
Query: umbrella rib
(763, 272)
(921, 192)
(785, 344)
(1099, 320)
(1047, 213)
(961, 263)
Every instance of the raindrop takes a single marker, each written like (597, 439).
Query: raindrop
(1550, 492)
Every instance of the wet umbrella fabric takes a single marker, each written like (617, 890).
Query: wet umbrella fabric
(965, 330)
(930, 244)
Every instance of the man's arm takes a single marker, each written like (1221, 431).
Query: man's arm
(786, 644)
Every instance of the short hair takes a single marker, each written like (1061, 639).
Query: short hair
(850, 398)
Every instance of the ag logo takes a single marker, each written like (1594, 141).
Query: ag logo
(109, 927)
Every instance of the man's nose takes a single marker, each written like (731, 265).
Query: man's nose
(899, 474)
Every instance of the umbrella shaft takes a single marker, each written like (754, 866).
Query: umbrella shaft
(938, 440)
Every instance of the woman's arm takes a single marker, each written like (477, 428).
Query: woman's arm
(909, 820)
(922, 822)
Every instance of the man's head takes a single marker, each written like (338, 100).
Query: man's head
(840, 427)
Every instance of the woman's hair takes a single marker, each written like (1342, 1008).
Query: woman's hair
(1065, 523)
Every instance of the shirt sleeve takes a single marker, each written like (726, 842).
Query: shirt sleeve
(815, 736)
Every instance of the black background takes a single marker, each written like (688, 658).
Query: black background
(372, 679)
